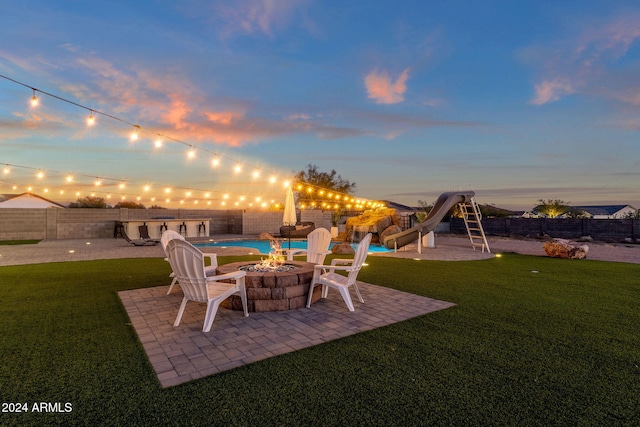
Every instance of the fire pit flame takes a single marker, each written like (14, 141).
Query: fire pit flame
(274, 263)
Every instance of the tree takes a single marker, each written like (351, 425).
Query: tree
(129, 204)
(327, 181)
(90, 202)
(633, 215)
(552, 208)
(426, 208)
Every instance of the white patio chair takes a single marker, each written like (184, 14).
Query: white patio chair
(326, 275)
(318, 242)
(187, 262)
(170, 235)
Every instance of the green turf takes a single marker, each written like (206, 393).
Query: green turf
(18, 242)
(556, 347)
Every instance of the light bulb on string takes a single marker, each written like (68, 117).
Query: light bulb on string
(191, 154)
(34, 99)
(272, 179)
(6, 170)
(135, 133)
(121, 186)
(158, 142)
(238, 168)
(215, 161)
(91, 120)
(40, 174)
(256, 173)
(69, 178)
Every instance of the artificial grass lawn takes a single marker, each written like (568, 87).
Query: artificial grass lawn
(556, 347)
(18, 242)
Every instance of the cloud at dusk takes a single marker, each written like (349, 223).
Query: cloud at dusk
(550, 91)
(589, 60)
(383, 89)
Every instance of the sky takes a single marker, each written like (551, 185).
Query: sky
(515, 100)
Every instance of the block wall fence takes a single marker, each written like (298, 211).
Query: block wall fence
(58, 224)
(608, 230)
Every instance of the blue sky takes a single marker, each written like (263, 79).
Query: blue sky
(516, 100)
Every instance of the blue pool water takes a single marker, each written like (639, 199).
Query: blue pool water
(263, 245)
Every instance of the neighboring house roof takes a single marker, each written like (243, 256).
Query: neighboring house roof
(26, 200)
(603, 210)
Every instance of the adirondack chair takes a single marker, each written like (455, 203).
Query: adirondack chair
(326, 275)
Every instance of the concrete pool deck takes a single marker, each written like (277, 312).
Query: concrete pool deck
(448, 248)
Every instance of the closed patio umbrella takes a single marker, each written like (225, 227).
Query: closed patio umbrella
(289, 218)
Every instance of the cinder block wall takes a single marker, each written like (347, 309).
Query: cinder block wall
(261, 222)
(23, 224)
(318, 217)
(52, 224)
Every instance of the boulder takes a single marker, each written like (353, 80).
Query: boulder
(342, 249)
(392, 229)
(372, 221)
(561, 248)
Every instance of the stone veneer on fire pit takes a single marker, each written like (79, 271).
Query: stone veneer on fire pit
(270, 291)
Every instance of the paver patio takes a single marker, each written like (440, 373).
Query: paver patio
(185, 353)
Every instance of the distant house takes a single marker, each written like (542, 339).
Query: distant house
(607, 211)
(26, 200)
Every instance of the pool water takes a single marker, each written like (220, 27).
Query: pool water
(263, 246)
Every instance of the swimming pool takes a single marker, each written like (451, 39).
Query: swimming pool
(263, 246)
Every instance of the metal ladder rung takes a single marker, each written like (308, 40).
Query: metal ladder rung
(471, 216)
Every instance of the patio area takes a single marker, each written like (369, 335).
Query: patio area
(186, 353)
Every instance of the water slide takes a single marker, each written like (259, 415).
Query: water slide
(444, 203)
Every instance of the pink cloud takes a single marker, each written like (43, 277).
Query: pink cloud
(583, 62)
(383, 90)
(258, 16)
(550, 91)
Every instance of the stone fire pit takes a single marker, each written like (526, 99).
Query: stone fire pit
(273, 291)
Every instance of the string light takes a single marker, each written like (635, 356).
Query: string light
(91, 120)
(34, 99)
(134, 134)
(311, 189)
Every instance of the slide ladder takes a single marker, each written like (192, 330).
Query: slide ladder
(472, 216)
